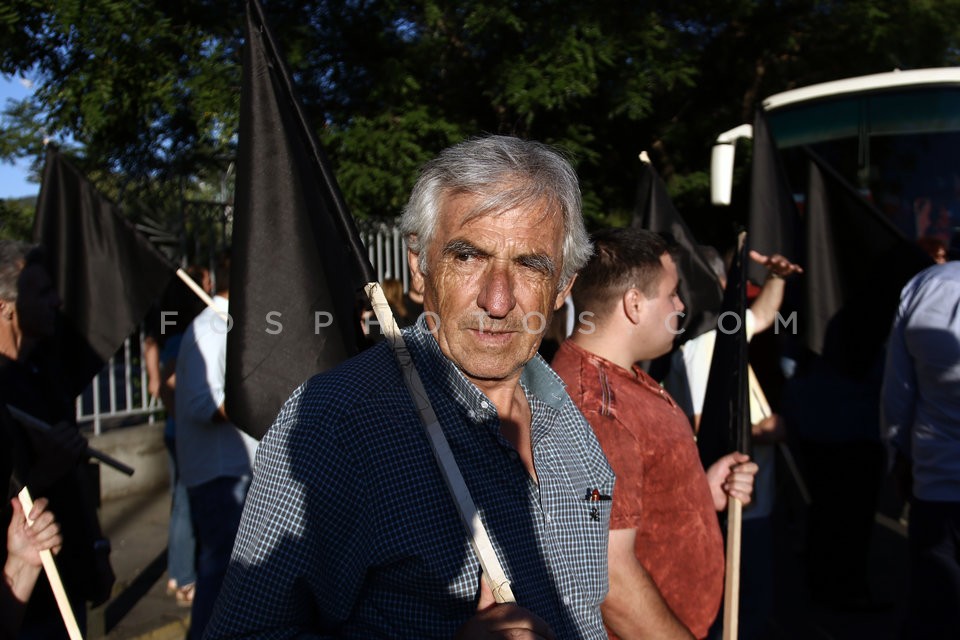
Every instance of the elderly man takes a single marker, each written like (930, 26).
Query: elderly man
(349, 529)
(666, 550)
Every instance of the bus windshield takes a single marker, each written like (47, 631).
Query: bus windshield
(898, 147)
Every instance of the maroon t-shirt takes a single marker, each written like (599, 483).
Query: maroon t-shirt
(661, 489)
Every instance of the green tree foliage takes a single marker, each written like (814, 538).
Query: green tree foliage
(147, 90)
(16, 218)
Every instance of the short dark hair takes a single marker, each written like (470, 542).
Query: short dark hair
(221, 272)
(622, 259)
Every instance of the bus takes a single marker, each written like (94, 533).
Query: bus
(894, 136)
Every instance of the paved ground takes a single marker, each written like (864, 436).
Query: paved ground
(141, 609)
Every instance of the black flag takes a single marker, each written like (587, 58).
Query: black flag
(699, 288)
(856, 263)
(106, 273)
(773, 214)
(725, 421)
(297, 262)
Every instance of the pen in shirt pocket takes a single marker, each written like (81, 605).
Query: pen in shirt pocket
(594, 497)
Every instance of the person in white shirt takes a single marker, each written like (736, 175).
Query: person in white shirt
(215, 457)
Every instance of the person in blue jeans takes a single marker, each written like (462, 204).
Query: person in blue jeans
(181, 545)
(164, 332)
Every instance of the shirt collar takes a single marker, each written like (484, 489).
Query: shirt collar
(636, 373)
(537, 379)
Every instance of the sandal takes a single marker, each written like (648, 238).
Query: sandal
(185, 595)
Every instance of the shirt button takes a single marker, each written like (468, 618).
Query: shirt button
(566, 600)
(484, 404)
(548, 517)
(472, 413)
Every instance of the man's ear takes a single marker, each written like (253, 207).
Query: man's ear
(6, 309)
(564, 293)
(416, 276)
(633, 302)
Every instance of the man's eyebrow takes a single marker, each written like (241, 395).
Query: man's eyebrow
(460, 247)
(539, 262)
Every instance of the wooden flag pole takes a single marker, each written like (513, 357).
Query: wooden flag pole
(197, 289)
(731, 587)
(493, 571)
(203, 295)
(739, 425)
(53, 576)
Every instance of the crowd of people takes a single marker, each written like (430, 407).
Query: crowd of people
(505, 496)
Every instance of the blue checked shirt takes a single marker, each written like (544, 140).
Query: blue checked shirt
(349, 529)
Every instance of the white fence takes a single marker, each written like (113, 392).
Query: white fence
(387, 250)
(119, 393)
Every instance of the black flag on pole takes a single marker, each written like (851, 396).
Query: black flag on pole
(856, 263)
(297, 263)
(725, 421)
(106, 273)
(699, 288)
(774, 221)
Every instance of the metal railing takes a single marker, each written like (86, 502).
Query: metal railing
(386, 249)
(119, 391)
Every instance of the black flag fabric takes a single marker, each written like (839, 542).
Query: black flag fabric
(106, 273)
(725, 421)
(699, 288)
(774, 221)
(297, 263)
(856, 264)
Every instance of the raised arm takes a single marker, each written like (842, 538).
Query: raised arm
(767, 303)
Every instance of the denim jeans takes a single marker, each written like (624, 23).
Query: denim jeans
(216, 507)
(181, 544)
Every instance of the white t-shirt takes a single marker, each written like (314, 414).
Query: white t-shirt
(207, 450)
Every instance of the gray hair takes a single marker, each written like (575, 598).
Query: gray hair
(13, 258)
(506, 173)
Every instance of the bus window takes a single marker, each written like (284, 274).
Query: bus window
(899, 148)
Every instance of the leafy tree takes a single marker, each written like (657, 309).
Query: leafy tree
(148, 91)
(16, 218)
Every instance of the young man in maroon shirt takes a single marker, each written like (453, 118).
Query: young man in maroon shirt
(666, 551)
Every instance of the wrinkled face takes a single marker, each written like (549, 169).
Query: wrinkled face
(492, 284)
(661, 313)
(37, 302)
